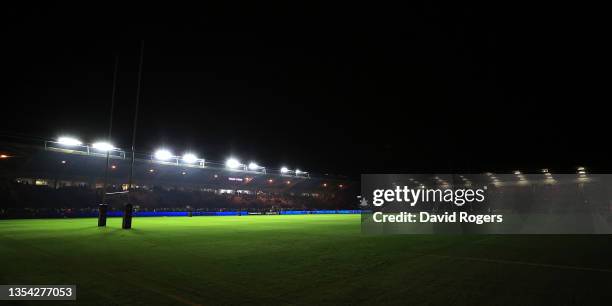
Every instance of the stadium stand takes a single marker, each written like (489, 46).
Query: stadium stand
(37, 182)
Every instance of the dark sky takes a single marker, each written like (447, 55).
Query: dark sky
(344, 89)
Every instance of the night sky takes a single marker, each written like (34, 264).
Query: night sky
(344, 89)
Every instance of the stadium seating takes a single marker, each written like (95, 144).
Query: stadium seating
(39, 182)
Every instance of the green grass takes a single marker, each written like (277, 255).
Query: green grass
(299, 260)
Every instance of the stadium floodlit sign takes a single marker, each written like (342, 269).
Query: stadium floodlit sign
(516, 203)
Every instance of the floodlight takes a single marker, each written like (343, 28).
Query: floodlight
(298, 172)
(232, 163)
(103, 146)
(254, 166)
(581, 169)
(69, 141)
(190, 158)
(284, 170)
(163, 154)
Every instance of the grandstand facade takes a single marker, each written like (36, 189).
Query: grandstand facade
(47, 177)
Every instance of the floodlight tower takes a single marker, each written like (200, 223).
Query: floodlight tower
(235, 164)
(68, 141)
(253, 166)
